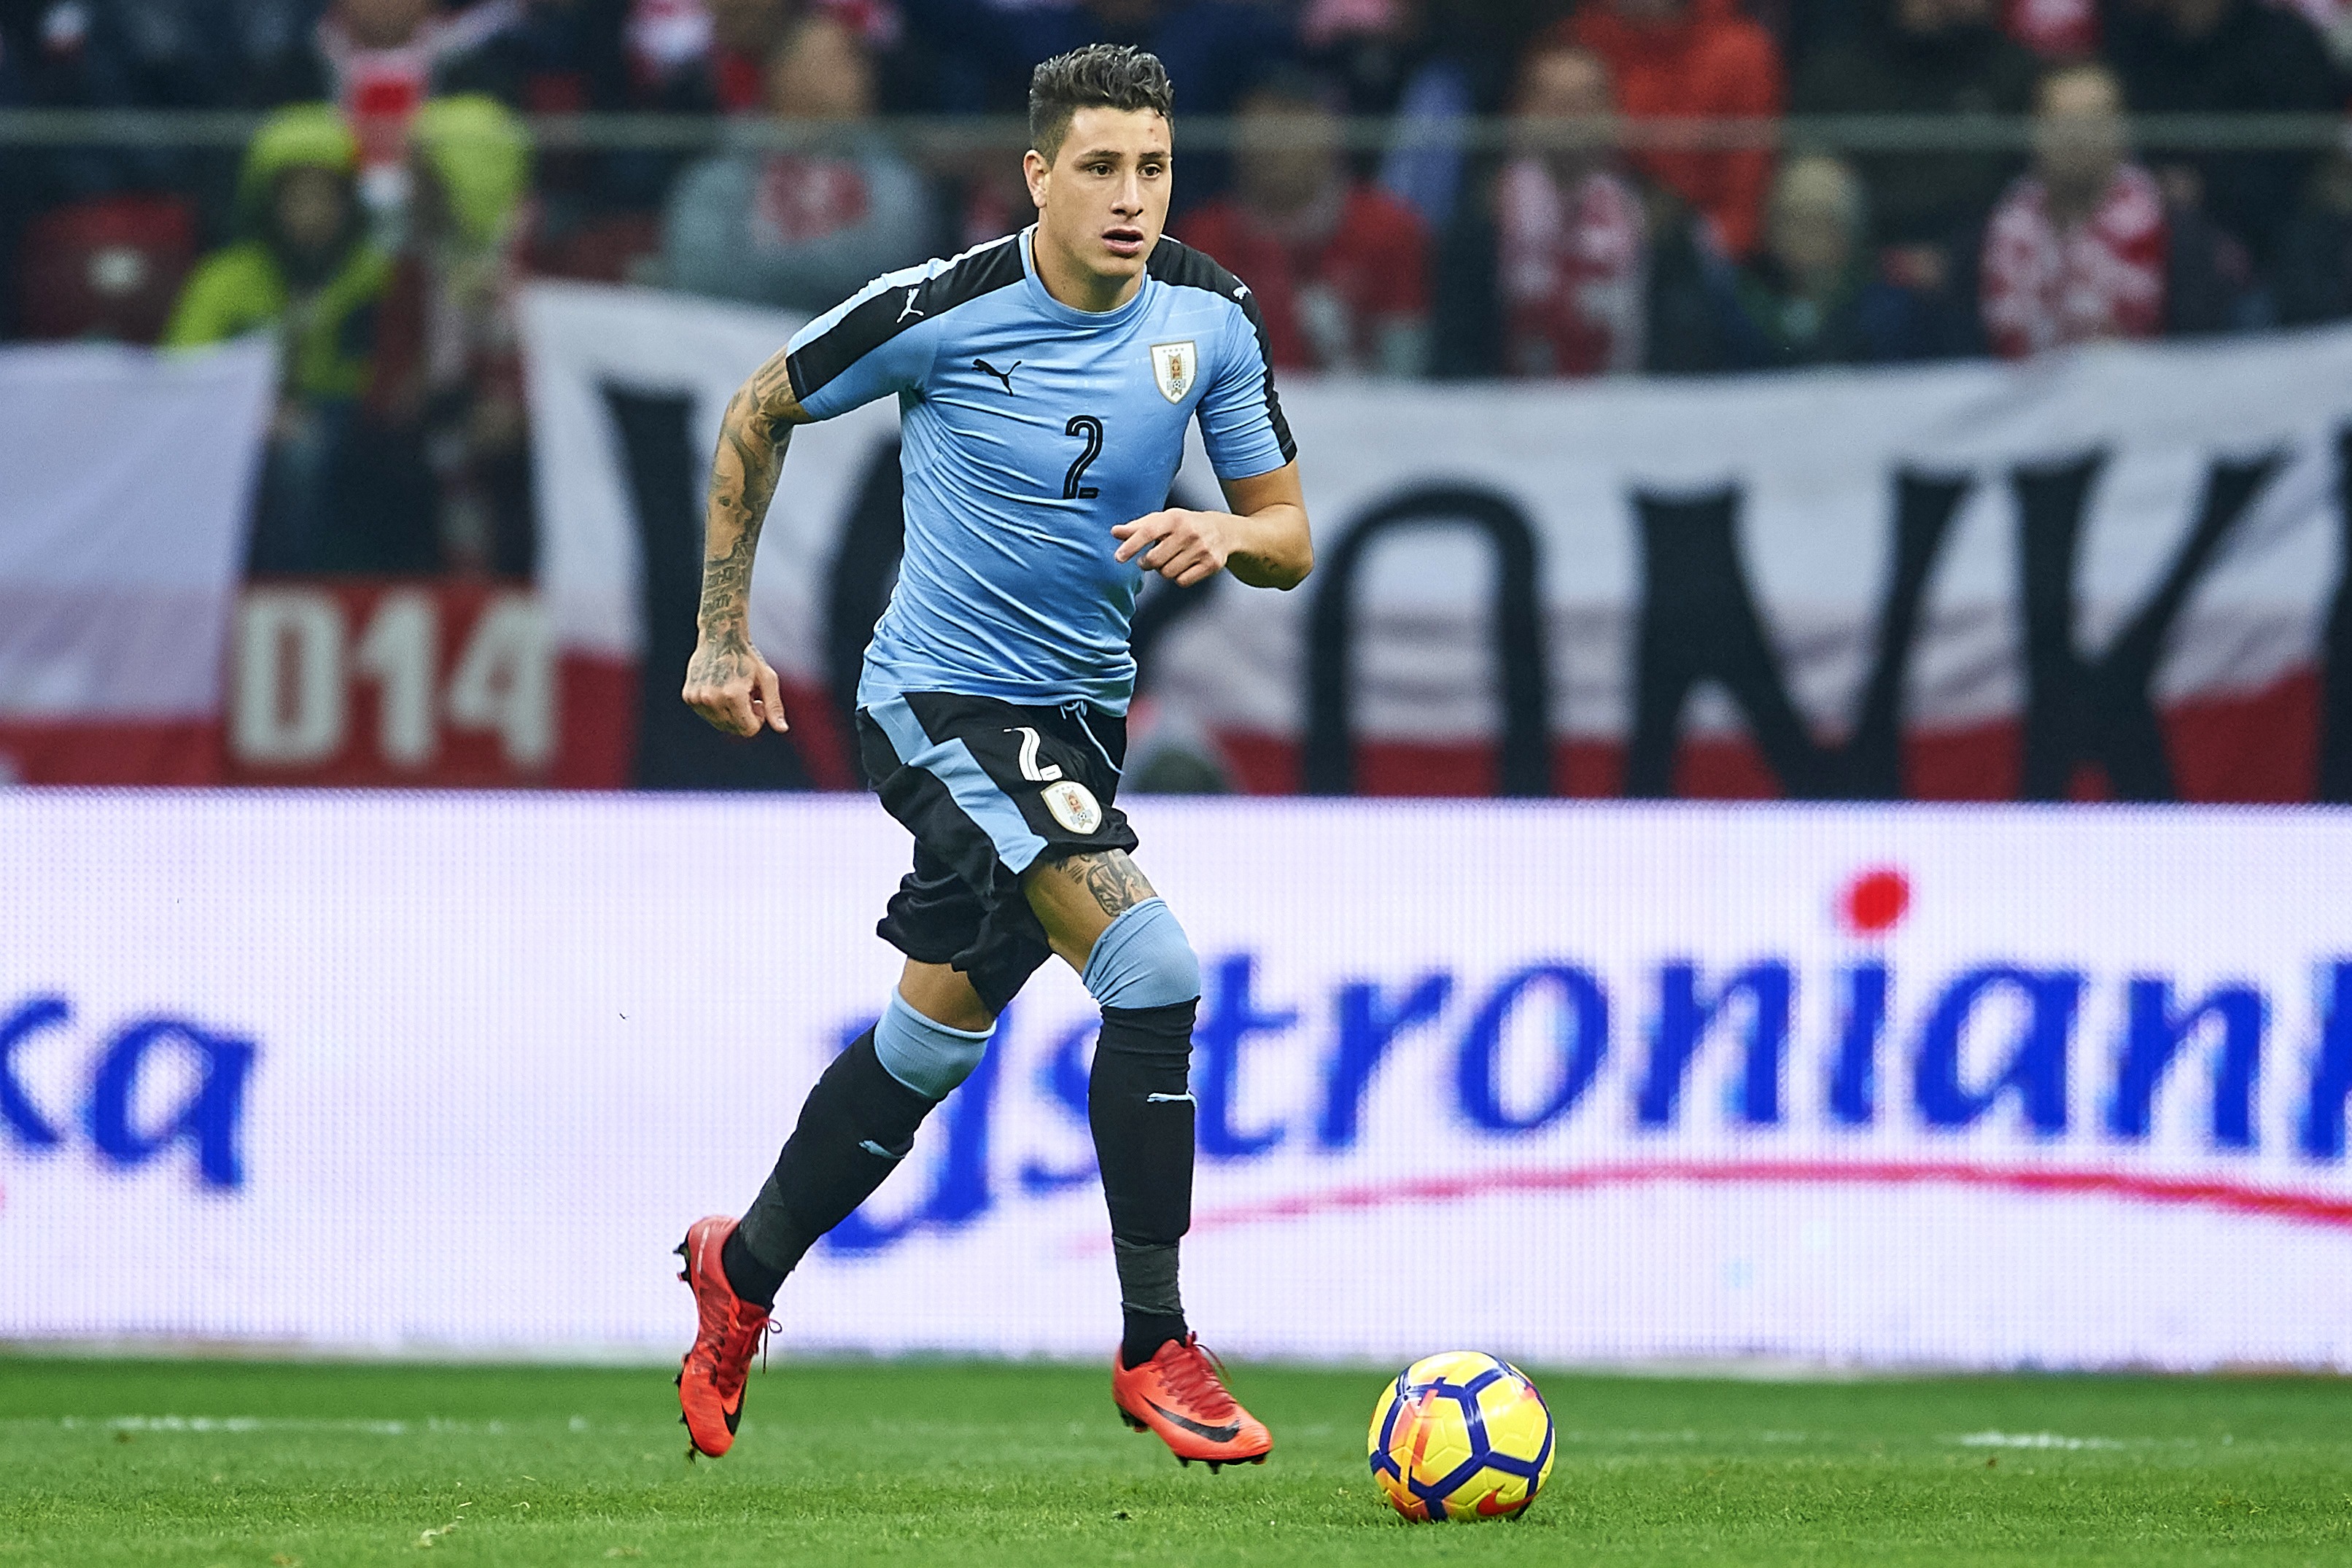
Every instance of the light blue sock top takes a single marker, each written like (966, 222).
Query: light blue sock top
(925, 1055)
(1143, 959)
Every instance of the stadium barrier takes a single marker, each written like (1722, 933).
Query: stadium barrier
(1857, 1084)
(2118, 572)
(948, 137)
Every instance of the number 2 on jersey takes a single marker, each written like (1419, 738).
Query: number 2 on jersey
(1091, 429)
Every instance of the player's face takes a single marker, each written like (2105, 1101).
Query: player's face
(1105, 200)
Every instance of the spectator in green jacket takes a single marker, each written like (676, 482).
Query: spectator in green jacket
(304, 270)
(305, 273)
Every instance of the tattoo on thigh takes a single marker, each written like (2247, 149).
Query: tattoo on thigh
(1111, 878)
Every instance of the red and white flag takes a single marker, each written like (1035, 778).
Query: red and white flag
(126, 478)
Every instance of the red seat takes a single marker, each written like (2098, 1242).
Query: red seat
(107, 269)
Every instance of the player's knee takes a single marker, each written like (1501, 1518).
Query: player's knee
(927, 1056)
(1142, 959)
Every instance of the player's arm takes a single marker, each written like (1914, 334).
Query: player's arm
(1263, 540)
(727, 681)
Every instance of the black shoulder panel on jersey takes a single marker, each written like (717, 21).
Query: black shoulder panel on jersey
(897, 309)
(1174, 262)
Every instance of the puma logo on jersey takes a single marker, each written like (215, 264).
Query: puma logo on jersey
(1003, 375)
(910, 308)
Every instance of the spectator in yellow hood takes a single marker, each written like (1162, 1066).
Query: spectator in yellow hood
(305, 272)
(304, 269)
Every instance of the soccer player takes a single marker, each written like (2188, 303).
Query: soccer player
(1044, 385)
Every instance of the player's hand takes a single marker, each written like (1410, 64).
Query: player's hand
(732, 687)
(1185, 547)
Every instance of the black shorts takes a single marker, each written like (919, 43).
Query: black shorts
(988, 789)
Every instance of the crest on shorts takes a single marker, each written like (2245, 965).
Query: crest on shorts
(1174, 366)
(1074, 805)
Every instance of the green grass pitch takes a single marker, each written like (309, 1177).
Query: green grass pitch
(107, 1462)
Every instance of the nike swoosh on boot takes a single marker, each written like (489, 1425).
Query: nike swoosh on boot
(1213, 1434)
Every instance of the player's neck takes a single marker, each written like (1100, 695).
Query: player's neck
(1074, 284)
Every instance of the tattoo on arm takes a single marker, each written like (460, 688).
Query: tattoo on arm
(1113, 879)
(743, 472)
(727, 589)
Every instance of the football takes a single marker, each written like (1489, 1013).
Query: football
(1461, 1435)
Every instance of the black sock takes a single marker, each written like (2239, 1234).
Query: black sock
(1146, 1332)
(1140, 1106)
(746, 1275)
(1148, 1296)
(856, 1126)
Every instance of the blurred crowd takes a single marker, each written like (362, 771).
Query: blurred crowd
(381, 220)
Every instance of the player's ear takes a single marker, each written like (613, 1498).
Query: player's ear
(1036, 169)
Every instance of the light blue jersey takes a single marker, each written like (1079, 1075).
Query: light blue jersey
(1031, 430)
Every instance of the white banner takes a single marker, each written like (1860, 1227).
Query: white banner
(1987, 1087)
(125, 483)
(2052, 507)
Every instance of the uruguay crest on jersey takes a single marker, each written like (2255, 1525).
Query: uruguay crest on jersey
(1173, 366)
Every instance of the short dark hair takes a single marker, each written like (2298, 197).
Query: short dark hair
(1098, 76)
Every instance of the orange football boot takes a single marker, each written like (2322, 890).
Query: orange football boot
(710, 1385)
(1180, 1394)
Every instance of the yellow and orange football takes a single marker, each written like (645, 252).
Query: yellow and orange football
(1461, 1435)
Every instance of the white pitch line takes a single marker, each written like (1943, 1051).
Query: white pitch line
(2033, 1441)
(431, 1427)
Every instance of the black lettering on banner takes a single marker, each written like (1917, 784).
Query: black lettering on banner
(857, 584)
(1699, 622)
(1090, 429)
(2336, 687)
(2081, 708)
(676, 749)
(1522, 658)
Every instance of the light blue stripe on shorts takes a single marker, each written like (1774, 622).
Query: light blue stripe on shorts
(968, 786)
